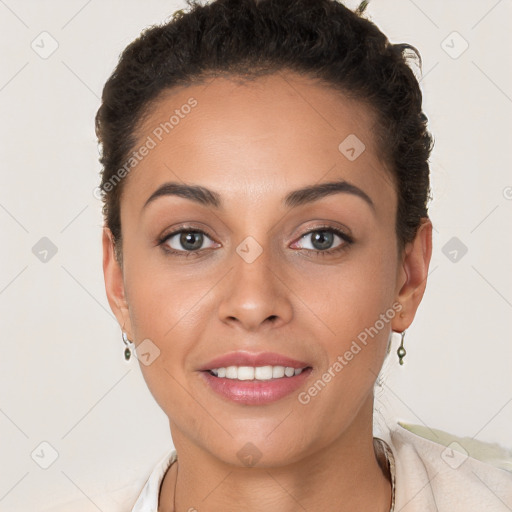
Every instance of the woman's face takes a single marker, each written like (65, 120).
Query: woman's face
(280, 272)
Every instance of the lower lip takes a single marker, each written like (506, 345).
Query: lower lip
(255, 392)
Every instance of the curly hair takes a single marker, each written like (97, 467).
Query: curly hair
(244, 39)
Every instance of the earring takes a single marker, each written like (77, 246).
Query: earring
(401, 350)
(128, 349)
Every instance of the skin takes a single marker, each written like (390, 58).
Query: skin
(253, 143)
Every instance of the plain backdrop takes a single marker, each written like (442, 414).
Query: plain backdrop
(63, 379)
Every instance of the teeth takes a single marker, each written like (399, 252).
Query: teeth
(256, 373)
(277, 372)
(245, 373)
(289, 372)
(263, 372)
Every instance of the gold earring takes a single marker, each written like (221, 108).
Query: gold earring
(401, 350)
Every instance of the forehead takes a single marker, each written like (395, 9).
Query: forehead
(253, 138)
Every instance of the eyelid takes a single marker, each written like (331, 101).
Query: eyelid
(347, 239)
(184, 228)
(341, 233)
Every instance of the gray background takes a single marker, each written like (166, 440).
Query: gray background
(63, 380)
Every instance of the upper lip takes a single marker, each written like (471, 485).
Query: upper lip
(252, 359)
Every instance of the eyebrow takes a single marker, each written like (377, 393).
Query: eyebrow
(302, 196)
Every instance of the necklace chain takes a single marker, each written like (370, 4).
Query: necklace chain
(175, 485)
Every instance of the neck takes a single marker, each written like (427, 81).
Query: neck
(345, 475)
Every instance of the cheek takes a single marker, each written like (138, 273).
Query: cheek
(162, 295)
(357, 308)
(355, 294)
(165, 309)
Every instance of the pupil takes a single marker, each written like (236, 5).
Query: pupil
(323, 239)
(188, 238)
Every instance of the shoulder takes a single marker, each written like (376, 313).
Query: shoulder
(148, 497)
(438, 471)
(138, 495)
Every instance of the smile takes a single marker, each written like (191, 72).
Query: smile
(255, 372)
(255, 385)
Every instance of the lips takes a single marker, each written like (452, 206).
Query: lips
(253, 389)
(250, 359)
(254, 392)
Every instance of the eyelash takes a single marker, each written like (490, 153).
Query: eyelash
(348, 240)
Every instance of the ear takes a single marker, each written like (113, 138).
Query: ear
(114, 283)
(412, 275)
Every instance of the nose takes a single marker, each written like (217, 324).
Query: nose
(256, 295)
